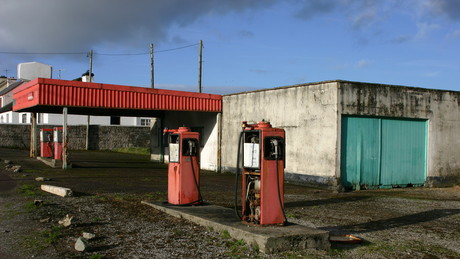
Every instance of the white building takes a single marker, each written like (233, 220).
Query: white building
(32, 70)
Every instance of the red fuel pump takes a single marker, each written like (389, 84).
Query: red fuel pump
(184, 167)
(46, 143)
(58, 143)
(262, 189)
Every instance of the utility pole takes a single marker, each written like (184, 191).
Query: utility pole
(90, 65)
(88, 122)
(65, 139)
(200, 63)
(152, 76)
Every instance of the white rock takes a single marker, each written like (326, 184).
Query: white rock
(42, 179)
(88, 236)
(81, 244)
(47, 220)
(66, 221)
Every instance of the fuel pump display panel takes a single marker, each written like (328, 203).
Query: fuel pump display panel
(251, 150)
(174, 148)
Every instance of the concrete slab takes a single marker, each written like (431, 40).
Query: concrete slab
(52, 162)
(61, 191)
(269, 239)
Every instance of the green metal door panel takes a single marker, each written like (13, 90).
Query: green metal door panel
(403, 152)
(360, 160)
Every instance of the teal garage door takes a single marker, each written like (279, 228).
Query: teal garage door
(382, 152)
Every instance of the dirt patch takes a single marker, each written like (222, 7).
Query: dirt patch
(402, 223)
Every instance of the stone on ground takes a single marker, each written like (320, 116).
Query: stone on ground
(81, 244)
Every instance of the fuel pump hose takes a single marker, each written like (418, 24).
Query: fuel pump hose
(279, 191)
(237, 174)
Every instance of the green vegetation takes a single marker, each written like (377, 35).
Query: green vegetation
(38, 241)
(28, 190)
(30, 207)
(133, 150)
(52, 235)
(224, 234)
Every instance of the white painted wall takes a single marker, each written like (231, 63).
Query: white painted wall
(209, 145)
(307, 113)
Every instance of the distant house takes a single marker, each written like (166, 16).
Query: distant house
(6, 105)
(32, 70)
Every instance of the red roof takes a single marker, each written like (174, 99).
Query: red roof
(50, 95)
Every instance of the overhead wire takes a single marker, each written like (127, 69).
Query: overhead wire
(96, 53)
(43, 53)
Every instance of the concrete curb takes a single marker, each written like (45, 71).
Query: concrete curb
(61, 191)
(270, 239)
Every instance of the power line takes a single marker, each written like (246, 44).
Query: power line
(188, 46)
(121, 54)
(97, 53)
(43, 53)
(145, 53)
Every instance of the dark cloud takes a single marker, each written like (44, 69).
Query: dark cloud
(311, 8)
(360, 13)
(450, 8)
(68, 25)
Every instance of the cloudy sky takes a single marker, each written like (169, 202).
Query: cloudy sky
(248, 44)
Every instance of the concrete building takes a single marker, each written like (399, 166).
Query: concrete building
(338, 133)
(353, 134)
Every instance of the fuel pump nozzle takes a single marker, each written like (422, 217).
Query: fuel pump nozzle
(191, 147)
(275, 144)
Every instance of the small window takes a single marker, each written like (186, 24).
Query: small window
(145, 122)
(24, 118)
(115, 120)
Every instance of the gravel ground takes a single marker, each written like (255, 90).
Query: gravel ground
(394, 223)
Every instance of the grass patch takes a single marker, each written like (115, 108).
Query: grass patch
(133, 150)
(28, 190)
(52, 235)
(238, 248)
(155, 196)
(97, 219)
(292, 216)
(224, 234)
(38, 241)
(30, 206)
